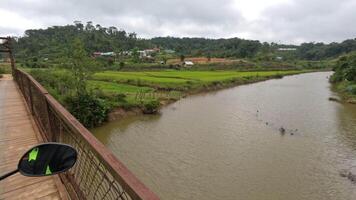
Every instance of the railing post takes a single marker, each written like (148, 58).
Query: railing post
(50, 134)
(31, 98)
(21, 85)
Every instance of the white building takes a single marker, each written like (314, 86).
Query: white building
(188, 63)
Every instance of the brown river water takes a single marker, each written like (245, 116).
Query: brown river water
(227, 144)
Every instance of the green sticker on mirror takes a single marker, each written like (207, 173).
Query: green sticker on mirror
(33, 154)
(48, 170)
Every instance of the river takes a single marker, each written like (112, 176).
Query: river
(228, 144)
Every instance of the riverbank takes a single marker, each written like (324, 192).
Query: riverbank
(122, 93)
(120, 112)
(219, 142)
(347, 91)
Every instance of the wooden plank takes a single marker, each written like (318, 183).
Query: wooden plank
(32, 191)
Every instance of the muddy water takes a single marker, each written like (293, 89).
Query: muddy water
(227, 144)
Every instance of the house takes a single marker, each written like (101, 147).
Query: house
(107, 54)
(169, 51)
(142, 54)
(287, 49)
(188, 63)
(97, 54)
(279, 58)
(125, 53)
(149, 52)
(112, 54)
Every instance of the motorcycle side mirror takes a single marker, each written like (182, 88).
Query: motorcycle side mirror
(47, 159)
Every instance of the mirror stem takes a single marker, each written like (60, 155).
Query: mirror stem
(9, 174)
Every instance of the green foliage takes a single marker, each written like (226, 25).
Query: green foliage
(182, 57)
(135, 55)
(88, 109)
(320, 51)
(150, 106)
(81, 66)
(350, 73)
(54, 43)
(345, 75)
(232, 47)
(5, 68)
(59, 83)
(345, 68)
(351, 89)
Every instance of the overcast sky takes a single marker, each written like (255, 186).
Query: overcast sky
(283, 21)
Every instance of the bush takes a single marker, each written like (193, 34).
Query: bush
(336, 77)
(350, 73)
(88, 109)
(351, 89)
(151, 106)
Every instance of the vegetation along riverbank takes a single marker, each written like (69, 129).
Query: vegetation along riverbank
(344, 78)
(126, 93)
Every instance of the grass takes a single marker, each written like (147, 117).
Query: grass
(5, 68)
(183, 80)
(109, 87)
(348, 90)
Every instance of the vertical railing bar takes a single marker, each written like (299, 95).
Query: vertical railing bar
(50, 135)
(31, 98)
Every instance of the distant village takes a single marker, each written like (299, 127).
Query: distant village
(146, 56)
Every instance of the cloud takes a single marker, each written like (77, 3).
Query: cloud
(291, 21)
(311, 20)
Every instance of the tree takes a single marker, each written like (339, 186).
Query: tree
(164, 58)
(81, 66)
(89, 26)
(182, 58)
(79, 25)
(345, 68)
(135, 55)
(350, 73)
(209, 57)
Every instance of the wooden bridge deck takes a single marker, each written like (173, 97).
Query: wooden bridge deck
(17, 134)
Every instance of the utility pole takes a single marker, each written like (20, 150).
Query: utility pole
(5, 47)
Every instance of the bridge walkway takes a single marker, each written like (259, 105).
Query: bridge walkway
(18, 133)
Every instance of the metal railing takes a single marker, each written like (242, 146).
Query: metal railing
(98, 174)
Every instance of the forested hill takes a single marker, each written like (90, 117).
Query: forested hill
(56, 42)
(233, 47)
(236, 47)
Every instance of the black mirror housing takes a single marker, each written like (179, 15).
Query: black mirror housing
(47, 159)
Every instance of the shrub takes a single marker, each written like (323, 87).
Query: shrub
(336, 77)
(350, 73)
(151, 106)
(88, 109)
(110, 61)
(351, 89)
(278, 75)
